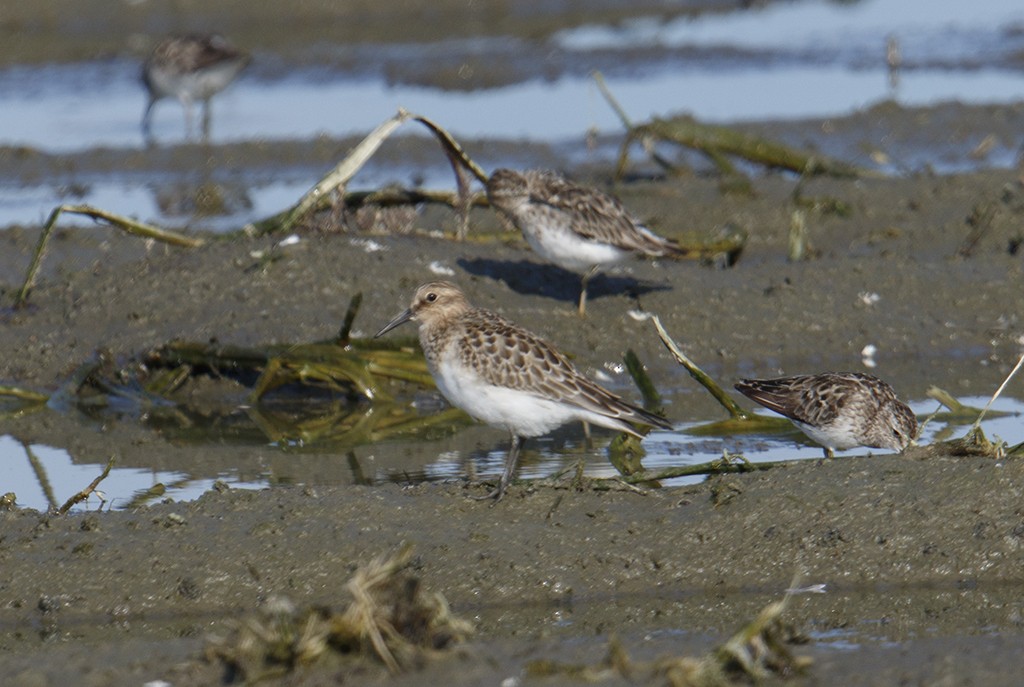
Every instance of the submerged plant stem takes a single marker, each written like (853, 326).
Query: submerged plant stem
(714, 467)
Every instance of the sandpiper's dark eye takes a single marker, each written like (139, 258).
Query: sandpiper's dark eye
(431, 297)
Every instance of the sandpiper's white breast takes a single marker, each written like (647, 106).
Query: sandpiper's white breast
(557, 243)
(520, 412)
(840, 434)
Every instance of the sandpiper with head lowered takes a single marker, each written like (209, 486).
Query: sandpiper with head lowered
(506, 376)
(838, 410)
(576, 227)
(190, 68)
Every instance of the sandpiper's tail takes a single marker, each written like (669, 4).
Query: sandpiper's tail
(614, 413)
(781, 395)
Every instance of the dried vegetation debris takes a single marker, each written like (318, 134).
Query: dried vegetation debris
(758, 651)
(390, 618)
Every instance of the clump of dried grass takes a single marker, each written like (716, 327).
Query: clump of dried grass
(390, 617)
(756, 652)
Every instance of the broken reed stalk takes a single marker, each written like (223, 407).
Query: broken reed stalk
(946, 399)
(455, 152)
(338, 178)
(652, 399)
(958, 414)
(626, 452)
(702, 377)
(716, 142)
(974, 442)
(84, 494)
(127, 224)
(461, 163)
(646, 143)
(1016, 368)
(452, 147)
(719, 141)
(613, 102)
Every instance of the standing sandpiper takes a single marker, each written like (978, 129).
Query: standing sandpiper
(576, 227)
(190, 68)
(838, 410)
(506, 376)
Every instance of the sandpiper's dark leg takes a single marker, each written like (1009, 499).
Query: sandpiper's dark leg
(206, 119)
(186, 105)
(146, 116)
(510, 467)
(583, 290)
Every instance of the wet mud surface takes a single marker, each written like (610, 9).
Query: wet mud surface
(921, 554)
(910, 562)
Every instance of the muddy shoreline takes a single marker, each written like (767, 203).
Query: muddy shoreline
(924, 548)
(939, 317)
(896, 540)
(921, 556)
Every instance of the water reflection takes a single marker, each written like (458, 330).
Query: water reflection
(332, 443)
(202, 199)
(45, 477)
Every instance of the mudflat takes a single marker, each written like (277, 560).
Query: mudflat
(920, 554)
(917, 558)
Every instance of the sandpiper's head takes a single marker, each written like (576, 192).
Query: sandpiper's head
(506, 187)
(898, 429)
(432, 302)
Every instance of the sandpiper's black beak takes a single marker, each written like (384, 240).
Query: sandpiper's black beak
(401, 319)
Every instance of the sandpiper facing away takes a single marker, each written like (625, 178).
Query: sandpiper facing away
(190, 68)
(506, 376)
(578, 228)
(838, 410)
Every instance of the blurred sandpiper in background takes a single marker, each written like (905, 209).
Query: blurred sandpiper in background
(190, 69)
